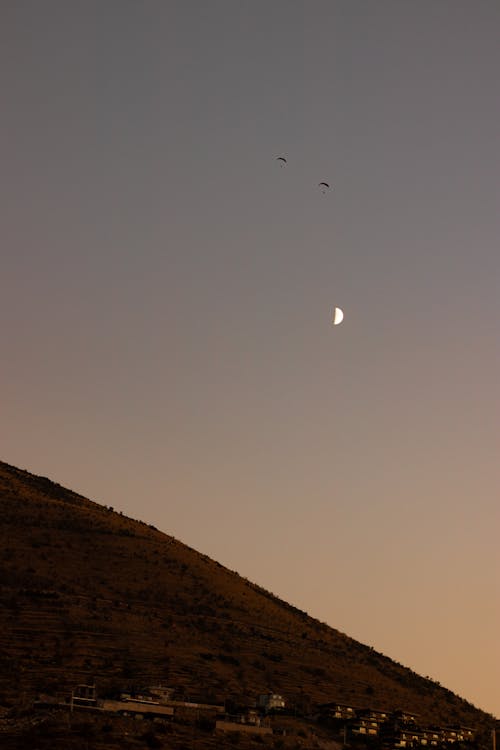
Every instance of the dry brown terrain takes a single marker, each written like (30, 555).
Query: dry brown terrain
(87, 594)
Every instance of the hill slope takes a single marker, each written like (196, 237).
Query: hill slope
(88, 594)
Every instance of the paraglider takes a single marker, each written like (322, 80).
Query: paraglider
(282, 160)
(324, 187)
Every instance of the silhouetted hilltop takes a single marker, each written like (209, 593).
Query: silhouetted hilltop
(88, 594)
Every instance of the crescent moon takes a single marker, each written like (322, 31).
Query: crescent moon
(338, 316)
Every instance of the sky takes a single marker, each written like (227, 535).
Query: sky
(167, 287)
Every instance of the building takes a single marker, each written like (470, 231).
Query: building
(83, 695)
(362, 725)
(227, 725)
(457, 734)
(133, 707)
(431, 736)
(337, 710)
(374, 714)
(271, 702)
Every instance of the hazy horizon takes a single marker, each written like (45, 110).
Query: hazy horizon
(167, 291)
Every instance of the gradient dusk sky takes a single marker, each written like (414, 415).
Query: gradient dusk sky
(167, 288)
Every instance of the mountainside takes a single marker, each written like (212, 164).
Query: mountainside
(88, 594)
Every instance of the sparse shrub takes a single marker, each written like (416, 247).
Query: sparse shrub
(84, 729)
(151, 739)
(228, 659)
(205, 724)
(163, 728)
(272, 656)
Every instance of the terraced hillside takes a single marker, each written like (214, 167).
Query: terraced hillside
(87, 594)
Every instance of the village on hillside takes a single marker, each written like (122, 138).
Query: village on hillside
(350, 725)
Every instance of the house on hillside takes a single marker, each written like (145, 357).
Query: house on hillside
(408, 738)
(249, 722)
(396, 735)
(161, 693)
(405, 717)
(271, 702)
(252, 717)
(335, 710)
(362, 725)
(431, 736)
(457, 734)
(83, 695)
(136, 707)
(373, 714)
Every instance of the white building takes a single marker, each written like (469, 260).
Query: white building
(270, 701)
